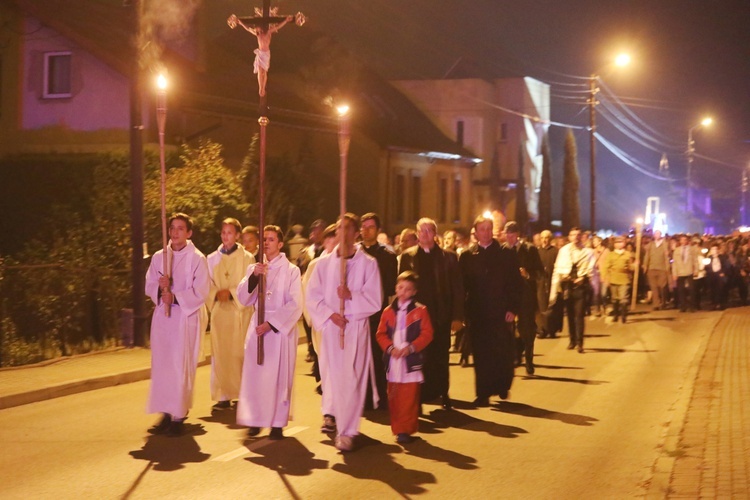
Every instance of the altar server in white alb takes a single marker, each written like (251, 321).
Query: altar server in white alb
(266, 390)
(176, 338)
(229, 318)
(346, 369)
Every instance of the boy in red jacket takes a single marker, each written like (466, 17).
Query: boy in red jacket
(404, 331)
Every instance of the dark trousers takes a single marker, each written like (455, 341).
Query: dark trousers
(526, 327)
(311, 350)
(719, 290)
(436, 363)
(685, 293)
(575, 308)
(379, 367)
(494, 353)
(658, 281)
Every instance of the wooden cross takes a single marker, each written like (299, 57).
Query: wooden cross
(263, 25)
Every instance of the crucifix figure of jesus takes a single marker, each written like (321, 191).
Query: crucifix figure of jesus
(263, 25)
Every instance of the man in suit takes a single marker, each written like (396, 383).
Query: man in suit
(530, 268)
(684, 268)
(441, 290)
(548, 317)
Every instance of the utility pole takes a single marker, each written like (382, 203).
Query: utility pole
(138, 292)
(689, 191)
(743, 208)
(690, 153)
(593, 90)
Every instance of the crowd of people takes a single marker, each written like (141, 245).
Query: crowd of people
(382, 317)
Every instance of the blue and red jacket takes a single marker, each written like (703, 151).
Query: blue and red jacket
(418, 333)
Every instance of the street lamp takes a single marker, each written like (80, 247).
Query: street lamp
(621, 60)
(690, 152)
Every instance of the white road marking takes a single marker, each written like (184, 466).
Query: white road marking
(244, 450)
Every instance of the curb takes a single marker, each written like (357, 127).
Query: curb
(83, 385)
(78, 386)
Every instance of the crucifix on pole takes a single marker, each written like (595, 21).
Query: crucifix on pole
(263, 25)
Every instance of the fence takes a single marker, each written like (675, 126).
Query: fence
(53, 310)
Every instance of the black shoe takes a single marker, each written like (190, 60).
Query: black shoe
(529, 367)
(329, 424)
(162, 426)
(580, 349)
(176, 428)
(571, 347)
(482, 402)
(446, 402)
(503, 394)
(222, 405)
(404, 438)
(464, 362)
(276, 434)
(253, 431)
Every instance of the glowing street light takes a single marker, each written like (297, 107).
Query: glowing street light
(622, 60)
(690, 152)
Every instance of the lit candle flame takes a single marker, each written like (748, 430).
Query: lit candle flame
(161, 82)
(343, 109)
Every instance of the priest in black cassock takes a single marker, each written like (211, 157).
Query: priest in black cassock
(492, 282)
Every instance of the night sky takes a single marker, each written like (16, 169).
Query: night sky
(690, 59)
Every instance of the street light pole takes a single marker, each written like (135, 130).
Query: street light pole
(690, 153)
(593, 89)
(744, 188)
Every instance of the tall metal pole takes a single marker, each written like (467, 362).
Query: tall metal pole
(743, 216)
(138, 291)
(344, 140)
(689, 189)
(637, 272)
(592, 146)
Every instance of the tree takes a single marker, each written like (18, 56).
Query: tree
(201, 186)
(292, 189)
(63, 293)
(571, 211)
(522, 211)
(545, 189)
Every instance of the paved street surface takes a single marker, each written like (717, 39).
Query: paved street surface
(654, 408)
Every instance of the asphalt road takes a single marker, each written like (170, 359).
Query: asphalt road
(586, 426)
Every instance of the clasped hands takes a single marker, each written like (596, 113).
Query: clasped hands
(167, 297)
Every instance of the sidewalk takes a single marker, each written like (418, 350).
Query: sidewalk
(62, 377)
(713, 454)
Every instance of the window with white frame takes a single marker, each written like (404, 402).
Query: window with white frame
(57, 75)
